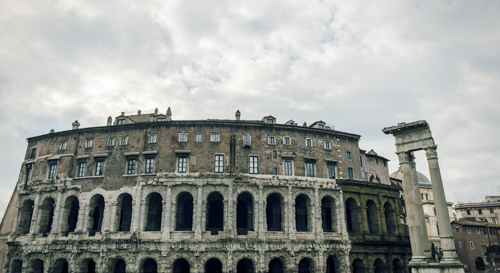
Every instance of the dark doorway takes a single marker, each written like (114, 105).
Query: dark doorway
(120, 266)
(352, 216)
(154, 208)
(328, 214)
(244, 266)
(304, 266)
(302, 221)
(244, 213)
(150, 266)
(181, 266)
(124, 212)
(372, 216)
(274, 212)
(276, 266)
(46, 216)
(215, 213)
(96, 208)
(213, 266)
(330, 265)
(26, 213)
(184, 213)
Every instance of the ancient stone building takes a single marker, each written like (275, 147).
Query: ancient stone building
(150, 194)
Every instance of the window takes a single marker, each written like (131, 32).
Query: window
(219, 163)
(123, 140)
(161, 119)
(33, 155)
(491, 209)
(88, 144)
(275, 171)
(310, 169)
(99, 167)
(152, 138)
(183, 137)
(468, 230)
(468, 212)
(63, 145)
(360, 161)
(327, 145)
(348, 155)
(480, 211)
(331, 170)
(286, 140)
(288, 167)
(182, 164)
(81, 169)
(254, 164)
(350, 173)
(459, 244)
(111, 141)
(478, 231)
(120, 122)
(29, 168)
(376, 160)
(52, 170)
(246, 140)
(215, 137)
(271, 140)
(308, 142)
(458, 230)
(198, 137)
(434, 211)
(270, 121)
(471, 245)
(150, 163)
(131, 166)
(275, 154)
(321, 126)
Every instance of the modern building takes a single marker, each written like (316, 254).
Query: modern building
(488, 210)
(146, 193)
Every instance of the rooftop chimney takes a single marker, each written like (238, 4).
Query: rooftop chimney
(238, 114)
(169, 114)
(123, 113)
(76, 125)
(139, 112)
(52, 131)
(156, 111)
(110, 121)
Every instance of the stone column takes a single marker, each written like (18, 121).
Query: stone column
(260, 213)
(289, 216)
(34, 215)
(108, 216)
(414, 210)
(113, 225)
(443, 218)
(167, 227)
(231, 225)
(56, 225)
(427, 244)
(199, 212)
(137, 209)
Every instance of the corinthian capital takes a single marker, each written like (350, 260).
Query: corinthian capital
(404, 157)
(431, 152)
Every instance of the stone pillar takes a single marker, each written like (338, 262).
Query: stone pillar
(199, 212)
(108, 218)
(414, 210)
(443, 217)
(168, 212)
(34, 216)
(289, 216)
(113, 225)
(56, 225)
(426, 243)
(231, 225)
(260, 214)
(137, 209)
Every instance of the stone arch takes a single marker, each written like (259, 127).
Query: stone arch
(276, 266)
(379, 266)
(16, 265)
(332, 264)
(358, 266)
(245, 266)
(96, 212)
(213, 266)
(306, 266)
(372, 217)
(60, 266)
(87, 266)
(390, 218)
(328, 214)
(181, 266)
(70, 215)
(123, 212)
(244, 213)
(480, 266)
(397, 266)
(37, 266)
(303, 213)
(352, 216)
(215, 212)
(184, 211)
(25, 215)
(274, 212)
(149, 265)
(154, 209)
(46, 216)
(118, 266)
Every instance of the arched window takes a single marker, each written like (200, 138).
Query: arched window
(302, 213)
(37, 266)
(331, 267)
(372, 217)
(352, 216)
(16, 266)
(213, 266)
(215, 212)
(96, 209)
(181, 266)
(149, 266)
(118, 266)
(276, 266)
(305, 266)
(328, 214)
(390, 218)
(380, 266)
(26, 213)
(244, 266)
(358, 266)
(124, 212)
(397, 266)
(244, 213)
(154, 210)
(480, 266)
(70, 215)
(60, 266)
(274, 212)
(46, 216)
(184, 212)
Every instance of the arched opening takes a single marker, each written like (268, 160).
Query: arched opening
(149, 266)
(244, 266)
(70, 215)
(305, 266)
(331, 267)
(352, 216)
(26, 213)
(244, 213)
(184, 213)
(328, 215)
(88, 266)
(390, 221)
(213, 266)
(480, 266)
(274, 212)
(37, 266)
(358, 266)
(276, 266)
(154, 210)
(181, 266)
(119, 266)
(372, 217)
(46, 216)
(17, 266)
(397, 266)
(215, 213)
(124, 212)
(96, 211)
(60, 266)
(380, 266)
(302, 214)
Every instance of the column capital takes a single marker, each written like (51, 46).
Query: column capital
(404, 157)
(431, 152)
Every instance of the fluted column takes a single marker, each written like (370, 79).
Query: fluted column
(427, 244)
(443, 217)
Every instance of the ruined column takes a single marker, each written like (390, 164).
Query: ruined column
(137, 209)
(167, 225)
(443, 217)
(197, 222)
(260, 212)
(34, 216)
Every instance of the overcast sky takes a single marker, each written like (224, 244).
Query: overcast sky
(359, 65)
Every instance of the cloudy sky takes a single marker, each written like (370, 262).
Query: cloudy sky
(359, 65)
